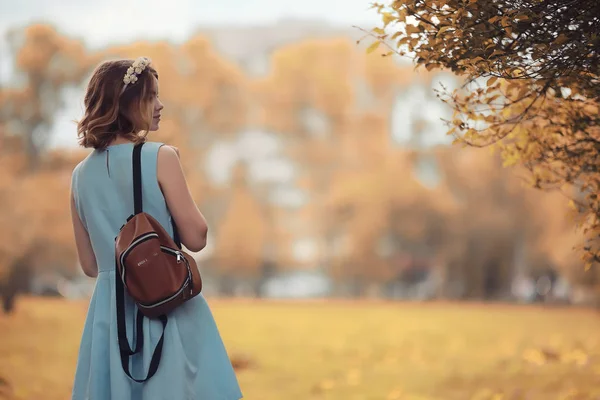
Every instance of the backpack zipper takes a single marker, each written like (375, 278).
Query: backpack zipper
(138, 240)
(183, 286)
(186, 283)
(148, 306)
(165, 249)
(181, 257)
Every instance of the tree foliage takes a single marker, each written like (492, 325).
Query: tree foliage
(531, 83)
(46, 62)
(36, 228)
(241, 234)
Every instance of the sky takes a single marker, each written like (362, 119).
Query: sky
(106, 21)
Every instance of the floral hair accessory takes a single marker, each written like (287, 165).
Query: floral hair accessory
(138, 66)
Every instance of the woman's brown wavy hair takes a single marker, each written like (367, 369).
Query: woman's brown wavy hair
(110, 113)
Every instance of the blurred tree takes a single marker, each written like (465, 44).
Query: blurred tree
(315, 106)
(307, 104)
(378, 210)
(216, 103)
(37, 231)
(240, 242)
(531, 83)
(210, 106)
(311, 99)
(503, 229)
(16, 282)
(45, 63)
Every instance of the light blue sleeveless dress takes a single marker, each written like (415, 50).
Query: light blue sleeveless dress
(195, 364)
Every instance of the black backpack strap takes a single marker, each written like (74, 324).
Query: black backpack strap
(176, 238)
(137, 178)
(124, 349)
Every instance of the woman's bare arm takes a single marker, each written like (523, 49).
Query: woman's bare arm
(85, 252)
(190, 221)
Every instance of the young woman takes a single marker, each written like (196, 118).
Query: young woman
(121, 107)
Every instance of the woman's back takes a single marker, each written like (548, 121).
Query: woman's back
(194, 362)
(103, 193)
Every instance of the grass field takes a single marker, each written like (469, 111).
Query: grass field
(345, 350)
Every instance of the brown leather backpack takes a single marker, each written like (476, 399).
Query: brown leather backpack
(157, 274)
